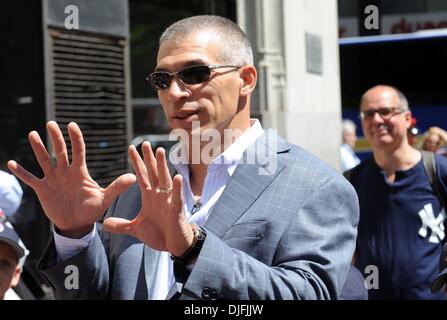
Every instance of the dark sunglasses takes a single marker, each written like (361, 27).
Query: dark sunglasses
(161, 80)
(385, 113)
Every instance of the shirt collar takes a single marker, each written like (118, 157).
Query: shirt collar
(229, 158)
(233, 154)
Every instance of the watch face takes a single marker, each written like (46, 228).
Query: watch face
(201, 235)
(192, 253)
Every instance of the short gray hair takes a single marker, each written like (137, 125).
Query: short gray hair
(236, 48)
(403, 101)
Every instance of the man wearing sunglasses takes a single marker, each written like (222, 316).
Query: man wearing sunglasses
(217, 230)
(401, 228)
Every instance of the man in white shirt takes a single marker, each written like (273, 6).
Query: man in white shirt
(247, 216)
(348, 157)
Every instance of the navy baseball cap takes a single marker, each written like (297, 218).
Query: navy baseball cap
(9, 236)
(441, 278)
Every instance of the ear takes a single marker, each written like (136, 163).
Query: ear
(249, 77)
(16, 277)
(408, 116)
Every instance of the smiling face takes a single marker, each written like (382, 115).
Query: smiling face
(219, 103)
(379, 132)
(9, 270)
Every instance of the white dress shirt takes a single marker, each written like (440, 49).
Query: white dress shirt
(219, 172)
(348, 158)
(10, 294)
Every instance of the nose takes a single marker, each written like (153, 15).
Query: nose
(377, 118)
(177, 90)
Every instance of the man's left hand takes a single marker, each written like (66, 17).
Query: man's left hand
(161, 222)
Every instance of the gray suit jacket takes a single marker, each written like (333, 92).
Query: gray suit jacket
(288, 234)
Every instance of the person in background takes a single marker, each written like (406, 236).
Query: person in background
(348, 157)
(401, 228)
(10, 193)
(11, 252)
(434, 141)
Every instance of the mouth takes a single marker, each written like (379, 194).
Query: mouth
(184, 114)
(383, 129)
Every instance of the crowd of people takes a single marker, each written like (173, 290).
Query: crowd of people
(239, 225)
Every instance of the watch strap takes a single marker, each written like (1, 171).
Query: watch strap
(192, 253)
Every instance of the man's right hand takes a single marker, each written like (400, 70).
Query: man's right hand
(70, 198)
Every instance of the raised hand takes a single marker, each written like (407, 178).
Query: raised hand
(161, 222)
(70, 198)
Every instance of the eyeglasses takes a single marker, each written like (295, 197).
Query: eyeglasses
(385, 113)
(161, 80)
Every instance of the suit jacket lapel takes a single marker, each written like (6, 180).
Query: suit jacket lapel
(231, 205)
(258, 169)
(244, 187)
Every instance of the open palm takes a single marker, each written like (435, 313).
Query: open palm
(161, 222)
(70, 198)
